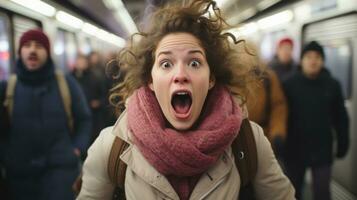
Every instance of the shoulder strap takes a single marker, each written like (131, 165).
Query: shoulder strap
(116, 167)
(66, 97)
(244, 150)
(10, 91)
(245, 153)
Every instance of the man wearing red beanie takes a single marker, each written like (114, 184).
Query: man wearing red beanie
(34, 49)
(283, 63)
(42, 148)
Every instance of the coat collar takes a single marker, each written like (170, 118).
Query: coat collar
(138, 164)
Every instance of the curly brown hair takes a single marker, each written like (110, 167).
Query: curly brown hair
(200, 18)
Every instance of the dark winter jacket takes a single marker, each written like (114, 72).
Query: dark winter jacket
(94, 87)
(284, 71)
(39, 137)
(316, 111)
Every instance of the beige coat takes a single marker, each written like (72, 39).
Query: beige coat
(143, 182)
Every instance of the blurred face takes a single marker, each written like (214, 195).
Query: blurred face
(311, 64)
(33, 55)
(284, 53)
(180, 79)
(94, 58)
(81, 63)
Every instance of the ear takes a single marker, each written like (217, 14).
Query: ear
(151, 86)
(212, 82)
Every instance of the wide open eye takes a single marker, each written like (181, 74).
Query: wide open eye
(165, 64)
(194, 63)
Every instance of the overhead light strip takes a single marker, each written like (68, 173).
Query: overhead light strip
(37, 6)
(69, 20)
(266, 4)
(276, 19)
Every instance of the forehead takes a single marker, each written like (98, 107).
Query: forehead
(33, 42)
(312, 53)
(285, 45)
(178, 41)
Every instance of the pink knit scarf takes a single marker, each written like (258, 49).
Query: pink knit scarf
(179, 154)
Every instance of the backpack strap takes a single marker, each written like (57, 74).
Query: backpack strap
(116, 167)
(245, 153)
(66, 98)
(9, 97)
(244, 150)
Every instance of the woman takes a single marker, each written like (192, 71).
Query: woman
(181, 118)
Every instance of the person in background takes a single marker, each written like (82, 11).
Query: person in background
(41, 149)
(316, 112)
(283, 63)
(93, 88)
(98, 97)
(266, 103)
(182, 114)
(267, 107)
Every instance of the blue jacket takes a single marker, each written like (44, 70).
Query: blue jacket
(39, 137)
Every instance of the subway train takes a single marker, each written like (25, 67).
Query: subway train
(333, 24)
(61, 25)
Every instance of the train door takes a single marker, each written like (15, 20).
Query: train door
(65, 48)
(339, 37)
(5, 45)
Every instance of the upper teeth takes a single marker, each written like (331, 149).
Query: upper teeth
(181, 93)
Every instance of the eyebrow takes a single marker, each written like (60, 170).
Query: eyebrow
(189, 52)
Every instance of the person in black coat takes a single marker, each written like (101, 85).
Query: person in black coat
(94, 88)
(40, 151)
(316, 112)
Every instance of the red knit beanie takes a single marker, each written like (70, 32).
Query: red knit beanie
(36, 35)
(285, 41)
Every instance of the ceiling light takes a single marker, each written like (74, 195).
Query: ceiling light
(69, 19)
(276, 19)
(248, 29)
(266, 4)
(90, 29)
(110, 38)
(38, 6)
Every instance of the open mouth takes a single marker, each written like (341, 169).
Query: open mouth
(181, 102)
(33, 58)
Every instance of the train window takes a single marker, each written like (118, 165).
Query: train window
(59, 47)
(71, 50)
(84, 45)
(4, 47)
(21, 25)
(65, 48)
(338, 61)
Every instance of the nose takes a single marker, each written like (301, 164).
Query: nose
(181, 75)
(32, 47)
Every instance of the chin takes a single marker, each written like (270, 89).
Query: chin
(181, 126)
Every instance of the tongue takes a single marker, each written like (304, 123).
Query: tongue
(181, 105)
